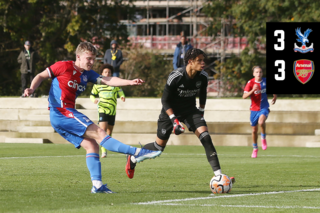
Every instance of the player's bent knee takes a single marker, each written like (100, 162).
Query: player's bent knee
(101, 134)
(201, 129)
(90, 145)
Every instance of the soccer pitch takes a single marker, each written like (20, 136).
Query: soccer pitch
(54, 178)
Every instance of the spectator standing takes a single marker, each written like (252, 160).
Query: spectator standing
(28, 57)
(180, 51)
(113, 57)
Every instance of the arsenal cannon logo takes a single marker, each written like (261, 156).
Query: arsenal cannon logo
(303, 70)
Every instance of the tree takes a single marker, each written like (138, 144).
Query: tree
(55, 28)
(248, 18)
(149, 66)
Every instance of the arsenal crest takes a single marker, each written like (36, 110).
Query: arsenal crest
(303, 70)
(163, 131)
(198, 84)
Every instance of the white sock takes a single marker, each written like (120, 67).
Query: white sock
(137, 151)
(97, 183)
(217, 172)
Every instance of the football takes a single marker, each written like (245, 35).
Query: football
(220, 184)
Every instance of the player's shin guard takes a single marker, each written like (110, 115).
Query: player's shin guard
(154, 146)
(94, 166)
(210, 150)
(116, 146)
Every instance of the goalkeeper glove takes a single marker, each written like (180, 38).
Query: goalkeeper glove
(177, 126)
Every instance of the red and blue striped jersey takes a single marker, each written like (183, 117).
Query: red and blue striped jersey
(68, 83)
(259, 99)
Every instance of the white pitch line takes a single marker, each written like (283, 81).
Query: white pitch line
(243, 206)
(176, 154)
(242, 155)
(223, 196)
(67, 156)
(295, 156)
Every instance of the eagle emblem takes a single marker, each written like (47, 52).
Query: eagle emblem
(303, 38)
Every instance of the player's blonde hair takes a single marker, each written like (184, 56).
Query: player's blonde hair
(86, 47)
(255, 67)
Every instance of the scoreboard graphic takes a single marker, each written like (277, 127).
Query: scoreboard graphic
(293, 58)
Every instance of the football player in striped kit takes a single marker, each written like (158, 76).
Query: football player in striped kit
(256, 89)
(179, 104)
(106, 98)
(69, 80)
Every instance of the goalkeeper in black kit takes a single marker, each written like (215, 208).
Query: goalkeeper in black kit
(179, 105)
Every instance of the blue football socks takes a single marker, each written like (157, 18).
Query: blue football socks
(263, 136)
(94, 166)
(255, 146)
(116, 146)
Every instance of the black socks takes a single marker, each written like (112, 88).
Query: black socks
(151, 146)
(210, 151)
(154, 146)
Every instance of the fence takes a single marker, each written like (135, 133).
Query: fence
(204, 42)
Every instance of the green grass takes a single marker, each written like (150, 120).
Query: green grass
(54, 178)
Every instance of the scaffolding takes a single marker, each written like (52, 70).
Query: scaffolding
(162, 21)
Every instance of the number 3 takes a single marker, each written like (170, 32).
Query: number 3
(281, 40)
(280, 69)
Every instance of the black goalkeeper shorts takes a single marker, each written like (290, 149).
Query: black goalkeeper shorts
(192, 120)
(107, 118)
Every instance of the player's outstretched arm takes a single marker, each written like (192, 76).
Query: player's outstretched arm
(36, 82)
(119, 82)
(274, 99)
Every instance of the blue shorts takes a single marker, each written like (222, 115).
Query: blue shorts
(70, 124)
(255, 115)
(116, 74)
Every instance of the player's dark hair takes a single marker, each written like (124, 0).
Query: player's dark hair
(192, 54)
(105, 66)
(255, 67)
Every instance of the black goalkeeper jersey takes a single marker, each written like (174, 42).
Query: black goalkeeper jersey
(180, 91)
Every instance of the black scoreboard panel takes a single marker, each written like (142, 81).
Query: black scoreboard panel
(292, 54)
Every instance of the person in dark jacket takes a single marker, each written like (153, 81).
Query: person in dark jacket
(28, 57)
(179, 53)
(113, 56)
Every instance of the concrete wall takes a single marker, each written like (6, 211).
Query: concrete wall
(290, 123)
